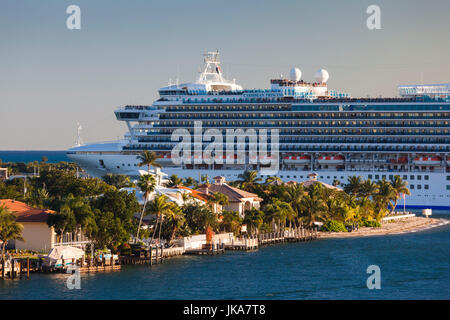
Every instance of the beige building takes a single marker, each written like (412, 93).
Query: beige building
(239, 200)
(37, 234)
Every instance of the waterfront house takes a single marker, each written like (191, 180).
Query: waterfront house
(238, 200)
(37, 234)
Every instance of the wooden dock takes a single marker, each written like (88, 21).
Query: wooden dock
(157, 254)
(208, 249)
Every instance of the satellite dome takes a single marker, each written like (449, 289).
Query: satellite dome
(295, 74)
(322, 76)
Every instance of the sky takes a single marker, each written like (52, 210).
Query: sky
(52, 77)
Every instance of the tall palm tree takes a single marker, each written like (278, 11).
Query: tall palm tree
(231, 221)
(148, 159)
(386, 194)
(160, 206)
(147, 185)
(399, 187)
(9, 228)
(354, 185)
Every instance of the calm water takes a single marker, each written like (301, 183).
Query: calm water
(413, 266)
(30, 156)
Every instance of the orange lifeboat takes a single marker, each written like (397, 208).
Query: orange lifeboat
(165, 158)
(338, 159)
(427, 161)
(297, 159)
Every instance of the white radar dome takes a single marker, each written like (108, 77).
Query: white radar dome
(322, 75)
(295, 74)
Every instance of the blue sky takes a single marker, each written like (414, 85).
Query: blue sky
(52, 77)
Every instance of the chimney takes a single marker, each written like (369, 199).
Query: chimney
(219, 180)
(312, 176)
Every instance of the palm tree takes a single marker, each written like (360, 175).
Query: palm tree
(368, 189)
(279, 211)
(160, 206)
(249, 179)
(273, 179)
(386, 194)
(9, 228)
(176, 216)
(399, 187)
(231, 221)
(254, 219)
(312, 204)
(147, 184)
(174, 181)
(354, 185)
(218, 200)
(189, 181)
(148, 159)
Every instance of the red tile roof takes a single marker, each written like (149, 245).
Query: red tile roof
(24, 212)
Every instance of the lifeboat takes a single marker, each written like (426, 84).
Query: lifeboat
(400, 160)
(338, 159)
(165, 158)
(297, 159)
(427, 161)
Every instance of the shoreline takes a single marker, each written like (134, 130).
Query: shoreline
(387, 228)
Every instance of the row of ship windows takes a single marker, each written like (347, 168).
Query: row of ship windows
(288, 107)
(298, 115)
(346, 122)
(323, 131)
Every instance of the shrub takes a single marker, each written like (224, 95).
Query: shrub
(371, 224)
(334, 226)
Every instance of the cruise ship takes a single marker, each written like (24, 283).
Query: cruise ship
(307, 126)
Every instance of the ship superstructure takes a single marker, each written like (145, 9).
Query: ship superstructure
(318, 130)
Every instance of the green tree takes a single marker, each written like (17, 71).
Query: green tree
(174, 181)
(399, 187)
(160, 207)
(9, 228)
(117, 180)
(217, 201)
(148, 159)
(249, 179)
(231, 221)
(254, 219)
(63, 221)
(353, 186)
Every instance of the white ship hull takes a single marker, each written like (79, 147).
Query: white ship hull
(433, 191)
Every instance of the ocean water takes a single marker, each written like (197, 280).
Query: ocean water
(413, 266)
(30, 156)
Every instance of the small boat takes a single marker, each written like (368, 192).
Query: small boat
(338, 159)
(427, 161)
(297, 159)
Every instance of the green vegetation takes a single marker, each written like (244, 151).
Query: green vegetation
(98, 209)
(9, 228)
(334, 226)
